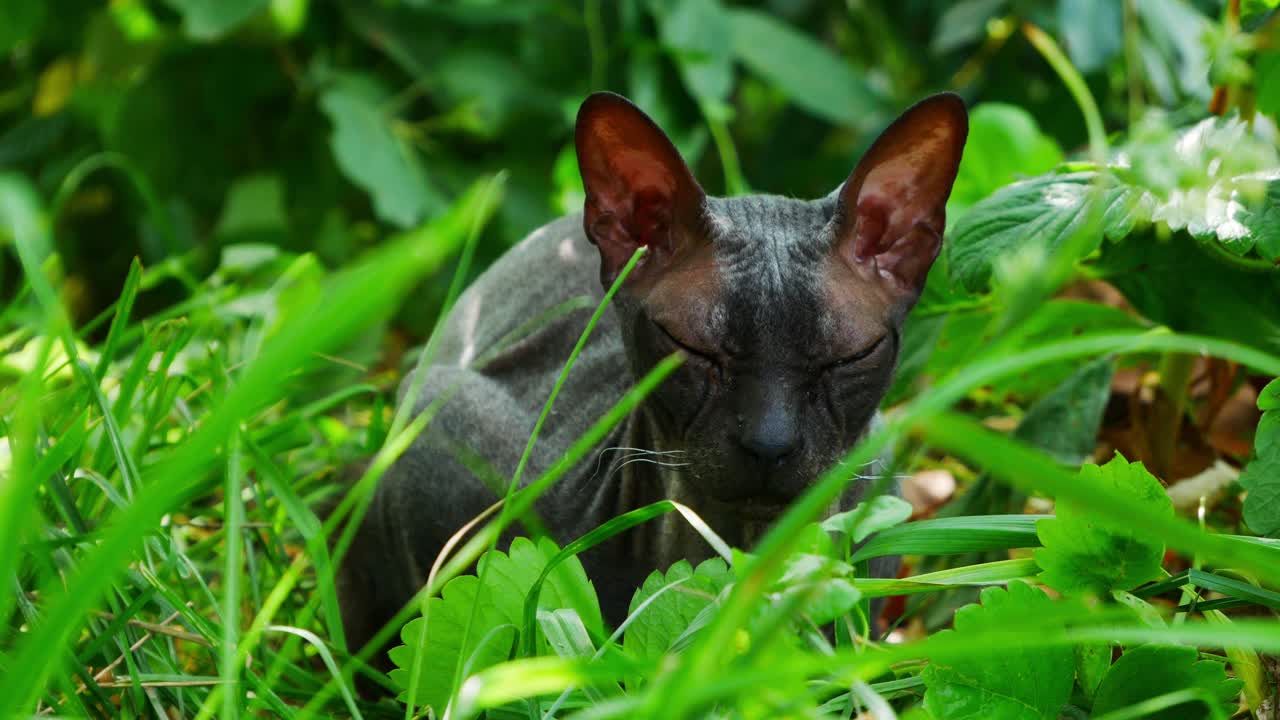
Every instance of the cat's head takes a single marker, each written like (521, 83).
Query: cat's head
(790, 311)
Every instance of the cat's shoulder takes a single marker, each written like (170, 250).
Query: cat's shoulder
(546, 280)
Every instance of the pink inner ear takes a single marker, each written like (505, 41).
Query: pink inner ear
(899, 192)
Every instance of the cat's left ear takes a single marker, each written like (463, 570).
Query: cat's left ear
(639, 190)
(891, 210)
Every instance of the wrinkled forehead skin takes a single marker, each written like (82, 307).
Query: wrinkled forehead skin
(764, 285)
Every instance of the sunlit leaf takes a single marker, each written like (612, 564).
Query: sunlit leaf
(452, 636)
(650, 634)
(1014, 683)
(883, 511)
(1082, 553)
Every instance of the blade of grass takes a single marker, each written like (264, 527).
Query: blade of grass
(515, 480)
(668, 699)
(370, 289)
(1030, 470)
(522, 501)
(952, 536)
(124, 306)
(994, 573)
(233, 514)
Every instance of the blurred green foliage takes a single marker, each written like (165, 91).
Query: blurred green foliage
(176, 129)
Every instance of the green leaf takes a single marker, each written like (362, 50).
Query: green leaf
(810, 75)
(498, 610)
(824, 600)
(568, 638)
(1267, 80)
(1261, 477)
(373, 156)
(254, 211)
(1269, 398)
(211, 19)
(882, 511)
(1065, 422)
(1045, 211)
(1091, 30)
(652, 632)
(1180, 284)
(22, 20)
(1216, 180)
(1082, 553)
(1093, 660)
(1004, 145)
(964, 22)
(1150, 671)
(1177, 32)
(699, 35)
(1013, 683)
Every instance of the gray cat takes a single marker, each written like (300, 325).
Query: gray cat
(789, 312)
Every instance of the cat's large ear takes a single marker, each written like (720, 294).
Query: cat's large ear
(891, 210)
(639, 191)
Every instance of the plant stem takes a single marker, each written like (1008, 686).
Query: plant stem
(1170, 405)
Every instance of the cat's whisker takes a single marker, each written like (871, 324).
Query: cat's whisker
(632, 460)
(634, 451)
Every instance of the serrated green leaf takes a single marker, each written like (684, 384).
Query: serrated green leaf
(1045, 210)
(651, 633)
(811, 76)
(882, 511)
(497, 616)
(371, 155)
(1016, 683)
(1150, 671)
(1082, 554)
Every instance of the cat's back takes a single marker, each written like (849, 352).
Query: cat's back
(553, 265)
(506, 340)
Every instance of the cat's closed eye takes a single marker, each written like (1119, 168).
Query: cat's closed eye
(692, 352)
(860, 355)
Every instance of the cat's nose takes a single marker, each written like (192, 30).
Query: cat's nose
(771, 449)
(770, 438)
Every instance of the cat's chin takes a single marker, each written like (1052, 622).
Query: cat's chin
(759, 508)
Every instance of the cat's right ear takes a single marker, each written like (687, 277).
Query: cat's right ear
(639, 190)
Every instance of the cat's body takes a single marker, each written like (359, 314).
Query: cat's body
(789, 313)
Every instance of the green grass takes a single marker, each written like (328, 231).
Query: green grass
(160, 493)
